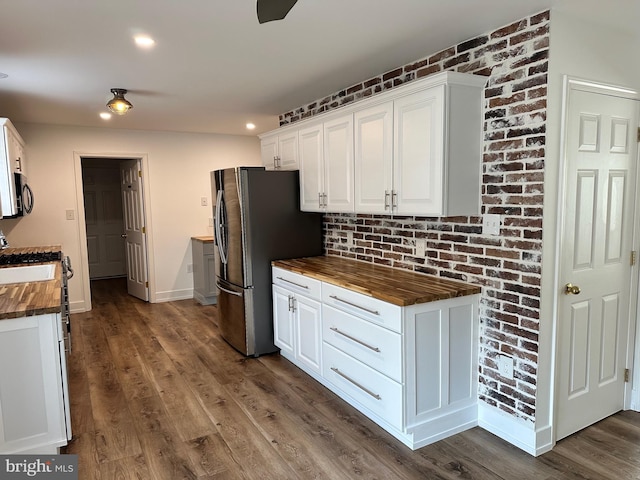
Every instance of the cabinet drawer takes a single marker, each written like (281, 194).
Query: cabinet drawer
(297, 283)
(207, 248)
(377, 347)
(369, 388)
(372, 309)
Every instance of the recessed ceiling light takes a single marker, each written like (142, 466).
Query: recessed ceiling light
(105, 115)
(144, 41)
(250, 126)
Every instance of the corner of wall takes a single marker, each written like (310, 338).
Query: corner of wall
(523, 434)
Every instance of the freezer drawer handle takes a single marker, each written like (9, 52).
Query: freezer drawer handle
(364, 389)
(337, 299)
(231, 292)
(293, 283)
(375, 349)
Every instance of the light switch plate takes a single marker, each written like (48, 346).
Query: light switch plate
(203, 201)
(71, 215)
(491, 224)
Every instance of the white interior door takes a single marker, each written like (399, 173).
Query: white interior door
(595, 265)
(134, 229)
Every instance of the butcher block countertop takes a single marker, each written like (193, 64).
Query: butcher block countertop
(392, 285)
(203, 238)
(31, 298)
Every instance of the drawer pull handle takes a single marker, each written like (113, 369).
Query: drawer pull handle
(292, 283)
(375, 349)
(374, 312)
(364, 389)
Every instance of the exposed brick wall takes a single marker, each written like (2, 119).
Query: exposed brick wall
(508, 266)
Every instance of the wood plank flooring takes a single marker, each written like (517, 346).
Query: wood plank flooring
(156, 394)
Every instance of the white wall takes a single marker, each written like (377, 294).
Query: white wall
(178, 176)
(584, 48)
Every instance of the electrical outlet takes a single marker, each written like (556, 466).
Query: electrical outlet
(71, 214)
(203, 201)
(505, 366)
(349, 239)
(421, 247)
(491, 224)
(190, 268)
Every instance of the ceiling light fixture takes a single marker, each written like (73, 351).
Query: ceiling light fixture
(118, 104)
(250, 126)
(144, 41)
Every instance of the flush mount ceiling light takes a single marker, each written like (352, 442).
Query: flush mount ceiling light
(118, 104)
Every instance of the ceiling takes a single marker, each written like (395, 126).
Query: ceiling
(213, 67)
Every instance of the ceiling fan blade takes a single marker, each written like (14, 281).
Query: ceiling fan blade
(269, 10)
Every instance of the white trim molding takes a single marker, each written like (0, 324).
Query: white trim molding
(516, 431)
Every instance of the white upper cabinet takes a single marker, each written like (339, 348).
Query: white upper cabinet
(280, 151)
(338, 164)
(311, 168)
(374, 159)
(12, 161)
(418, 160)
(413, 150)
(326, 166)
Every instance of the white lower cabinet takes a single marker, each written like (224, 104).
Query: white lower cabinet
(32, 403)
(296, 319)
(412, 369)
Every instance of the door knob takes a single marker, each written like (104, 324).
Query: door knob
(570, 289)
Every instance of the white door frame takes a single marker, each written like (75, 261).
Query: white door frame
(82, 227)
(632, 395)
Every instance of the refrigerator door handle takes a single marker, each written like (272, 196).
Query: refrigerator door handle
(222, 247)
(230, 292)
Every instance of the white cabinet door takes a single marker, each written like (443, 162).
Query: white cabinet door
(280, 152)
(374, 159)
(288, 151)
(297, 328)
(311, 169)
(31, 398)
(283, 321)
(308, 332)
(269, 151)
(16, 154)
(338, 164)
(419, 153)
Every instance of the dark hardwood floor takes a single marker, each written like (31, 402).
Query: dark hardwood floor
(157, 394)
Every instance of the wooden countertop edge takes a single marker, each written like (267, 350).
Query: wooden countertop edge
(203, 238)
(25, 289)
(401, 300)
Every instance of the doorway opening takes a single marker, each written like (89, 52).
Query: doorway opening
(111, 203)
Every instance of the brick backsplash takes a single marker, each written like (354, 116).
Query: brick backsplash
(515, 60)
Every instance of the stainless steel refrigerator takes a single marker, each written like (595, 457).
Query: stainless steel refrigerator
(257, 219)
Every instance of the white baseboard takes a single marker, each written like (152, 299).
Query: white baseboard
(171, 295)
(635, 400)
(518, 432)
(444, 426)
(78, 306)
